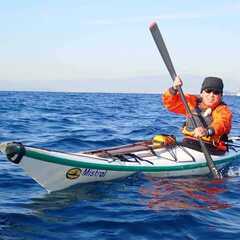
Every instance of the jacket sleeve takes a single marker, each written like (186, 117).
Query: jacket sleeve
(222, 120)
(172, 101)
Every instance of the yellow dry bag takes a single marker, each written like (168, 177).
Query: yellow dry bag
(163, 140)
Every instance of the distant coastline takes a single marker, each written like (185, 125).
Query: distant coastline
(235, 93)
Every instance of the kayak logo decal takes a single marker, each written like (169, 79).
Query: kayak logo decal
(73, 173)
(93, 173)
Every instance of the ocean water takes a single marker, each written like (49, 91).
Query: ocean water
(137, 207)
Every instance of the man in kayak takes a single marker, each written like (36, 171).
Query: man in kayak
(213, 116)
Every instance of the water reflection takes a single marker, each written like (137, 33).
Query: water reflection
(138, 193)
(188, 193)
(65, 198)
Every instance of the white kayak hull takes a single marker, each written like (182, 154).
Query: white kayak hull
(55, 170)
(55, 177)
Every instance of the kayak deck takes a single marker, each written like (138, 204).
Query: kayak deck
(145, 149)
(124, 149)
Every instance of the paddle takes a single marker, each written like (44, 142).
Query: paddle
(167, 60)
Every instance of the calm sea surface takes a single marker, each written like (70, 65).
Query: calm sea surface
(133, 208)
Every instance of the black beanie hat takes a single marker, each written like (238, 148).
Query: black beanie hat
(214, 83)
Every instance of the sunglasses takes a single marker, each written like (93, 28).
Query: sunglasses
(215, 92)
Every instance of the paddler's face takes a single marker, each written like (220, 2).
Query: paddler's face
(211, 98)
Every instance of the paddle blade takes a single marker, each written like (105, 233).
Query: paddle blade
(157, 36)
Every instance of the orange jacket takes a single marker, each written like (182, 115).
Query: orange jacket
(221, 115)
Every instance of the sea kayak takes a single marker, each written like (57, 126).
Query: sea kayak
(55, 170)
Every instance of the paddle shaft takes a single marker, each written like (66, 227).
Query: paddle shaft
(167, 60)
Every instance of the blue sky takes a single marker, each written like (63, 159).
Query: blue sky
(106, 46)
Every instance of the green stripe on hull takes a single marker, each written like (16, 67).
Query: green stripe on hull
(72, 163)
